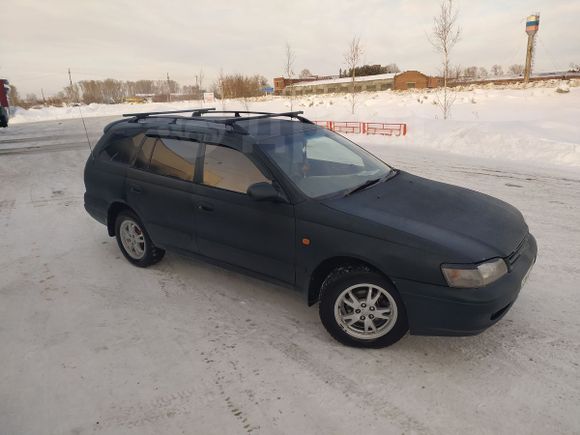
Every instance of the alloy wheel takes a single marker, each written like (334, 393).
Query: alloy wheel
(365, 311)
(133, 239)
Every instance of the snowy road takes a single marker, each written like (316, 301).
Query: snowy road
(90, 344)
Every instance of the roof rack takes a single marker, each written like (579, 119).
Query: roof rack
(142, 115)
(196, 114)
(255, 115)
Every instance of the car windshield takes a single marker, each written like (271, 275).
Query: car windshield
(324, 164)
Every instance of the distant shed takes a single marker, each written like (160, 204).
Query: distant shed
(414, 80)
(379, 82)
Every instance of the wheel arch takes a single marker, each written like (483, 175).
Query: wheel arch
(114, 209)
(325, 267)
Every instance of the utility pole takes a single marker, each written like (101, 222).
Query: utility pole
(197, 90)
(43, 99)
(168, 88)
(72, 92)
(532, 25)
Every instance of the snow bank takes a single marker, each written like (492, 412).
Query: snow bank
(535, 124)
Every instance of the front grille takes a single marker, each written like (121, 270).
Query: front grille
(514, 256)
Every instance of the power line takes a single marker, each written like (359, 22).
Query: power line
(552, 59)
(515, 53)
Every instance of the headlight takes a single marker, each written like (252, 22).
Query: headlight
(474, 275)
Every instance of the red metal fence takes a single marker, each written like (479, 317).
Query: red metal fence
(325, 124)
(382, 128)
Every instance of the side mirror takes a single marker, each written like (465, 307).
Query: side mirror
(265, 192)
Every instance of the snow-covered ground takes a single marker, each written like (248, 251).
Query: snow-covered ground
(91, 344)
(536, 124)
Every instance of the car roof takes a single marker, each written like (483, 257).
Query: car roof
(243, 132)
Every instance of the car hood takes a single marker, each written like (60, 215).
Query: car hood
(474, 225)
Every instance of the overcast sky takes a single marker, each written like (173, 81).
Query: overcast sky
(145, 39)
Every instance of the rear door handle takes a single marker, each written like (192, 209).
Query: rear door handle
(136, 189)
(204, 206)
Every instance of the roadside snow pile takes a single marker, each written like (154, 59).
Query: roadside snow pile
(490, 140)
(563, 87)
(93, 110)
(535, 124)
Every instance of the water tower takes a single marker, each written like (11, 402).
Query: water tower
(532, 25)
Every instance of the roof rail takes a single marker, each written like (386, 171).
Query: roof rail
(256, 115)
(142, 115)
(249, 112)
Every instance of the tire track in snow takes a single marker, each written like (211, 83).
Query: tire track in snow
(336, 380)
(269, 328)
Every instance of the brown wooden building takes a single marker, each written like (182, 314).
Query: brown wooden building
(280, 84)
(414, 80)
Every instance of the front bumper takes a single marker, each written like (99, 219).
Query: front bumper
(441, 310)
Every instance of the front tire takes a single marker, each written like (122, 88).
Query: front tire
(134, 242)
(361, 308)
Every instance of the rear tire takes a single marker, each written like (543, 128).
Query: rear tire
(361, 308)
(134, 241)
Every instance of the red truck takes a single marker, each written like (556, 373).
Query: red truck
(4, 102)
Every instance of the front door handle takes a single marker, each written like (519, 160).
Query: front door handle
(204, 206)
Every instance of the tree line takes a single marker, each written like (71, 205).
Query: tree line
(369, 70)
(474, 72)
(239, 86)
(112, 91)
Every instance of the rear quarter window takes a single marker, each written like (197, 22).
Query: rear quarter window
(121, 148)
(144, 154)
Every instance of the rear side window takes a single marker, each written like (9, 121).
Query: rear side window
(121, 148)
(174, 158)
(229, 169)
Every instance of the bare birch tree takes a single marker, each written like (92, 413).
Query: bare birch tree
(352, 58)
(455, 73)
(516, 69)
(446, 33)
(497, 70)
(289, 70)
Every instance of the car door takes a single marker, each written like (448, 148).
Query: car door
(234, 228)
(160, 189)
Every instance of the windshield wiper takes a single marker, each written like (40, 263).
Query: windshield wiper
(363, 186)
(370, 183)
